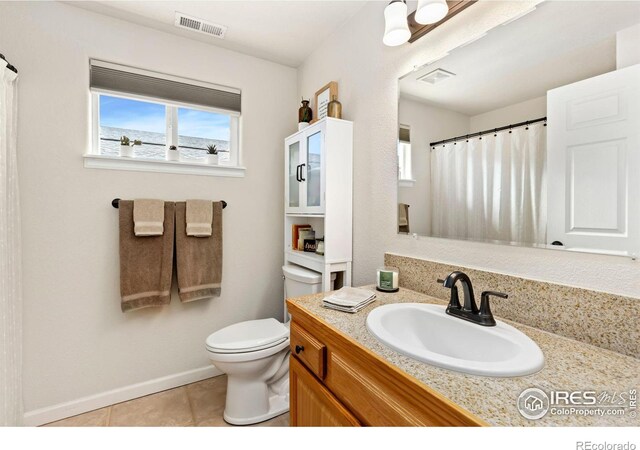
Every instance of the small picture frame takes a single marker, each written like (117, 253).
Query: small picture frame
(322, 99)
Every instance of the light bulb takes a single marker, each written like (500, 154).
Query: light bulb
(431, 11)
(396, 28)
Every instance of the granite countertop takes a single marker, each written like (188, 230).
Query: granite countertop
(569, 366)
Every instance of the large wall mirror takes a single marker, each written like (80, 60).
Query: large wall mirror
(530, 134)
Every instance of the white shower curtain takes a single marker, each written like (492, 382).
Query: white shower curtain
(491, 189)
(10, 260)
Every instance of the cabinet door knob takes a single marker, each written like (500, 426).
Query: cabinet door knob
(299, 348)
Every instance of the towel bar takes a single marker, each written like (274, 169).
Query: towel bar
(116, 202)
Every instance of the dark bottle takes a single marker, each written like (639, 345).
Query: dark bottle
(304, 113)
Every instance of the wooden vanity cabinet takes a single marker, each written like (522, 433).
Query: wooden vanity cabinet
(335, 381)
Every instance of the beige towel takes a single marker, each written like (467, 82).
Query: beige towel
(146, 264)
(198, 259)
(148, 216)
(199, 217)
(402, 215)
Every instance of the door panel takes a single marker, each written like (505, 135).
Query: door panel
(596, 110)
(597, 206)
(312, 404)
(593, 157)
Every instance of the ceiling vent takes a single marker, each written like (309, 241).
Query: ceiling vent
(199, 25)
(436, 76)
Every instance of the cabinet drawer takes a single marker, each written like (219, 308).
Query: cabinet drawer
(309, 350)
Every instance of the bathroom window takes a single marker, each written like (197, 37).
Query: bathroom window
(405, 176)
(159, 111)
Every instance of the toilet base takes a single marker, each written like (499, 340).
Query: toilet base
(278, 404)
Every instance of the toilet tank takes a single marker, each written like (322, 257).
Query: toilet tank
(299, 281)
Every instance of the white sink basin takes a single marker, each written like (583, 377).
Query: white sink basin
(426, 333)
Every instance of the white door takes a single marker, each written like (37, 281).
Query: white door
(593, 157)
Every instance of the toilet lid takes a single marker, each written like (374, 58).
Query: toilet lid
(248, 336)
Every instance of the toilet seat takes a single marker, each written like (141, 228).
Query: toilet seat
(248, 337)
(247, 356)
(245, 350)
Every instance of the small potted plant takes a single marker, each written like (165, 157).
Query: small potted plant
(173, 154)
(126, 146)
(212, 154)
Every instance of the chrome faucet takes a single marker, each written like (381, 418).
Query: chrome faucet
(469, 311)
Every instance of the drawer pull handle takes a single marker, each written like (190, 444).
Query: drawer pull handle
(299, 348)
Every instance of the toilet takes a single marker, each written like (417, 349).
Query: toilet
(255, 356)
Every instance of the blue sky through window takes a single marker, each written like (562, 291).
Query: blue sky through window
(119, 112)
(203, 124)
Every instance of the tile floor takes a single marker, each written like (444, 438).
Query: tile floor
(199, 404)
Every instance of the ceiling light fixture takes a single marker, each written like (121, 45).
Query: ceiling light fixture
(431, 11)
(396, 28)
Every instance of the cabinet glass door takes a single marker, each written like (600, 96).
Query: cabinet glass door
(294, 167)
(313, 170)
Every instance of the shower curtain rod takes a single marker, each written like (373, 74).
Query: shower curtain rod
(9, 66)
(493, 130)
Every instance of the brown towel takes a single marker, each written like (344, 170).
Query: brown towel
(199, 218)
(146, 263)
(403, 218)
(198, 259)
(148, 217)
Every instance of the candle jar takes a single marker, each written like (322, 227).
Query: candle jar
(387, 279)
(320, 246)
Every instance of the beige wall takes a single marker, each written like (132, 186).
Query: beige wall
(518, 112)
(428, 124)
(367, 73)
(628, 47)
(77, 342)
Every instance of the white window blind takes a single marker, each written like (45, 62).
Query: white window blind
(405, 134)
(114, 78)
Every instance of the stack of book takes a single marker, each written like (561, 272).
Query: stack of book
(300, 233)
(349, 299)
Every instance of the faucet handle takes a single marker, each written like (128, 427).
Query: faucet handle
(485, 308)
(495, 294)
(440, 280)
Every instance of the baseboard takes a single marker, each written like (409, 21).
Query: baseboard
(90, 403)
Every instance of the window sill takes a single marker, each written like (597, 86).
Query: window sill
(147, 165)
(406, 183)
